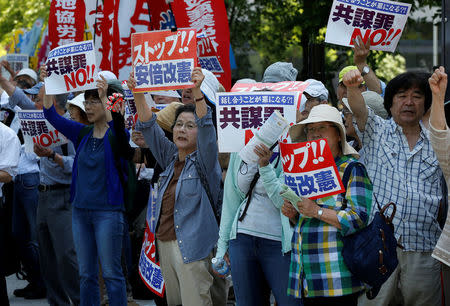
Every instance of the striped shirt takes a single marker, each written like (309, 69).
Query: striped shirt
(410, 179)
(317, 264)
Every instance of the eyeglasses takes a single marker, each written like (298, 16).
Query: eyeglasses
(319, 129)
(91, 102)
(188, 125)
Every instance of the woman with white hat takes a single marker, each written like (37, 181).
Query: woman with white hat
(318, 272)
(76, 109)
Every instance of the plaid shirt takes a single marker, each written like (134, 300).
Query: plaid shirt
(410, 179)
(316, 259)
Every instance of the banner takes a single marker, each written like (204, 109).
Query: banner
(111, 24)
(280, 86)
(149, 269)
(36, 129)
(66, 22)
(16, 62)
(161, 15)
(71, 68)
(310, 170)
(211, 21)
(164, 60)
(380, 21)
(238, 114)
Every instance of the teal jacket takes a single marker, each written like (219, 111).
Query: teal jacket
(234, 202)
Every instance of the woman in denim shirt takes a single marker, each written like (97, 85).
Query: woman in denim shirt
(186, 228)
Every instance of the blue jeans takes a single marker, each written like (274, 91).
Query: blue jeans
(98, 234)
(254, 260)
(24, 226)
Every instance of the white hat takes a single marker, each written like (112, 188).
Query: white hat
(166, 93)
(108, 75)
(374, 101)
(210, 85)
(28, 72)
(78, 101)
(316, 89)
(322, 113)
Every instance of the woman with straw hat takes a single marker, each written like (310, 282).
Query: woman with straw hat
(318, 272)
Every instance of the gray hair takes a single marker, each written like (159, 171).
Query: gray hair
(61, 101)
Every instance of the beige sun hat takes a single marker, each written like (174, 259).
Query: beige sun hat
(323, 113)
(166, 116)
(374, 101)
(77, 101)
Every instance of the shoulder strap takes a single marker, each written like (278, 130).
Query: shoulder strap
(346, 178)
(84, 131)
(253, 184)
(205, 185)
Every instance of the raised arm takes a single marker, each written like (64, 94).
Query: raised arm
(200, 103)
(352, 80)
(360, 53)
(144, 112)
(438, 85)
(48, 99)
(102, 85)
(6, 84)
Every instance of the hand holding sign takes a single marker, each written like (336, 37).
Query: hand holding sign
(361, 51)
(197, 77)
(264, 154)
(288, 210)
(102, 85)
(41, 151)
(308, 208)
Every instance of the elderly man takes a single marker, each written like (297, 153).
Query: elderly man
(404, 169)
(9, 152)
(314, 94)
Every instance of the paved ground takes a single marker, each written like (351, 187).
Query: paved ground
(14, 283)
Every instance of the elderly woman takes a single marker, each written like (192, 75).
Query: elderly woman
(186, 229)
(318, 272)
(76, 109)
(97, 195)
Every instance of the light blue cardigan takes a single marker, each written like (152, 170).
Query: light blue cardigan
(234, 202)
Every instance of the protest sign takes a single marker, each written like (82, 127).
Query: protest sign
(280, 86)
(310, 170)
(71, 68)
(164, 60)
(66, 21)
(36, 129)
(380, 21)
(210, 20)
(240, 114)
(149, 269)
(16, 62)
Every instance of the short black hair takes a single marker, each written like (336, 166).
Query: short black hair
(407, 81)
(91, 93)
(186, 108)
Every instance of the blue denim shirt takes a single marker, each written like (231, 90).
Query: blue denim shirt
(195, 225)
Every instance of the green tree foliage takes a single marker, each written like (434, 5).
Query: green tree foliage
(17, 14)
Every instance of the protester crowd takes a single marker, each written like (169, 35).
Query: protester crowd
(75, 220)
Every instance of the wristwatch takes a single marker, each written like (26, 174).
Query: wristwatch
(365, 70)
(319, 214)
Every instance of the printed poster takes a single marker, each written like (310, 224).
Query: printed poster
(380, 21)
(164, 60)
(149, 269)
(36, 129)
(239, 115)
(17, 62)
(71, 68)
(310, 170)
